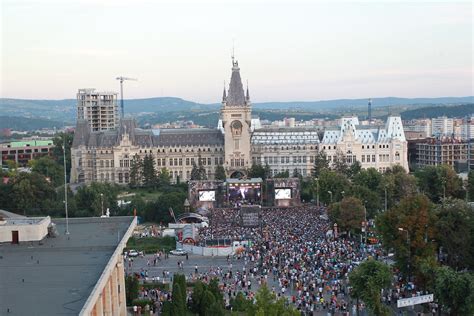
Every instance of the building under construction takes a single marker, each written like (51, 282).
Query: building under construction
(99, 109)
(443, 151)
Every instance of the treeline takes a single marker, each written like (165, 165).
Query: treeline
(440, 110)
(28, 124)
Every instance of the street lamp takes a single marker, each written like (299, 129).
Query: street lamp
(65, 186)
(330, 193)
(342, 193)
(409, 249)
(102, 203)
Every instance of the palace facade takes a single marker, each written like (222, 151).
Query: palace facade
(238, 142)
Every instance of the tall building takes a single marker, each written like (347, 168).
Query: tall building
(99, 109)
(22, 152)
(441, 151)
(238, 142)
(442, 126)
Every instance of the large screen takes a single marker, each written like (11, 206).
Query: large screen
(207, 196)
(245, 192)
(282, 194)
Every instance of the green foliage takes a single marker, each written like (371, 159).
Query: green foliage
(369, 178)
(282, 175)
(220, 173)
(178, 304)
(240, 303)
(398, 184)
(164, 178)
(367, 281)
(267, 304)
(158, 211)
(30, 193)
(198, 172)
(334, 182)
(142, 302)
(439, 181)
(131, 288)
(470, 185)
(207, 299)
(321, 163)
(369, 198)
(152, 244)
(348, 214)
(455, 290)
(49, 168)
(167, 309)
(57, 152)
(415, 216)
(136, 171)
(149, 172)
(97, 196)
(455, 227)
(259, 171)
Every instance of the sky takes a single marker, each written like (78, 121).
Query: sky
(287, 50)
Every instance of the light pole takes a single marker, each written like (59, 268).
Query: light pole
(342, 194)
(409, 249)
(330, 194)
(65, 186)
(102, 203)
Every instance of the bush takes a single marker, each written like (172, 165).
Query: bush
(156, 285)
(151, 244)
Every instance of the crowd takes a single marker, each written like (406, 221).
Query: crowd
(293, 251)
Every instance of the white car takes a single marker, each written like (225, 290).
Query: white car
(178, 252)
(133, 253)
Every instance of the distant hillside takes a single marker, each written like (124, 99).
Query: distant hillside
(66, 109)
(435, 111)
(27, 124)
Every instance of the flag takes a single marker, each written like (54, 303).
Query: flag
(172, 214)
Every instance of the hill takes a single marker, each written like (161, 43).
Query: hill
(28, 124)
(435, 111)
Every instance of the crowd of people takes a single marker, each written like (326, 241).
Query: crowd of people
(293, 251)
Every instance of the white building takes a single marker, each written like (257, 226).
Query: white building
(99, 109)
(238, 142)
(442, 126)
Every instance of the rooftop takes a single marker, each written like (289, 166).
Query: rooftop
(57, 275)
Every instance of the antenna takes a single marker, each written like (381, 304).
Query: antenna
(233, 52)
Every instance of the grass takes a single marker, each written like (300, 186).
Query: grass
(151, 244)
(148, 195)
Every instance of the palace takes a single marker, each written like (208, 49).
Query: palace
(238, 142)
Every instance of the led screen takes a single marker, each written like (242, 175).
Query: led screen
(282, 194)
(207, 196)
(245, 192)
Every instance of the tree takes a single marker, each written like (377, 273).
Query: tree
(331, 181)
(438, 182)
(30, 192)
(196, 296)
(367, 281)
(57, 151)
(408, 228)
(348, 214)
(340, 164)
(149, 172)
(370, 199)
(267, 304)
(164, 178)
(92, 199)
(158, 211)
(455, 227)
(240, 303)
(321, 163)
(198, 172)
(178, 304)
(470, 185)
(131, 288)
(283, 174)
(398, 184)
(219, 173)
(136, 171)
(369, 178)
(455, 290)
(257, 171)
(49, 168)
(207, 300)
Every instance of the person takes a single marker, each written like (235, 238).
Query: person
(196, 269)
(187, 256)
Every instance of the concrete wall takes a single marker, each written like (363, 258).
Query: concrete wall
(208, 251)
(29, 229)
(108, 295)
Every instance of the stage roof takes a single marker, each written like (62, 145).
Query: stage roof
(244, 181)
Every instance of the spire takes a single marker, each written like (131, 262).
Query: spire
(247, 98)
(236, 95)
(224, 97)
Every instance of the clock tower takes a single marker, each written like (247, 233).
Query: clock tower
(236, 116)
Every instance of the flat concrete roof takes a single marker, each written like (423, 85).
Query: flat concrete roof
(57, 275)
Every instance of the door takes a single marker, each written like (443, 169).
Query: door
(15, 237)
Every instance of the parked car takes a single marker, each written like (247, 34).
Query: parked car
(178, 252)
(133, 253)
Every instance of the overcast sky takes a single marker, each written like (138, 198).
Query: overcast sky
(286, 50)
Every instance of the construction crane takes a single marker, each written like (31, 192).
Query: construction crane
(122, 79)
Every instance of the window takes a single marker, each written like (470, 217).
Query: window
(158, 162)
(187, 161)
(397, 156)
(373, 158)
(363, 158)
(175, 161)
(107, 163)
(171, 161)
(242, 162)
(209, 161)
(112, 164)
(232, 162)
(216, 161)
(236, 144)
(120, 175)
(180, 161)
